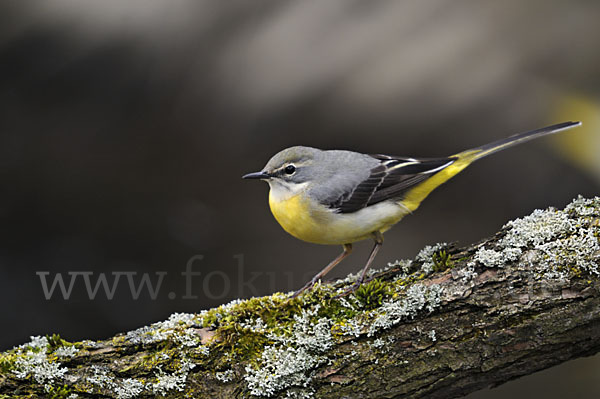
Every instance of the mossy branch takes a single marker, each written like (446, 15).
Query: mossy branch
(443, 325)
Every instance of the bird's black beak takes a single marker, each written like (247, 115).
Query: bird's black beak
(257, 175)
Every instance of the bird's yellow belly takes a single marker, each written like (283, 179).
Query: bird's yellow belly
(320, 225)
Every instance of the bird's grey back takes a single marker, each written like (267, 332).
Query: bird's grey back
(336, 173)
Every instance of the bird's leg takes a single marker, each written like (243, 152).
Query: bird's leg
(378, 237)
(327, 269)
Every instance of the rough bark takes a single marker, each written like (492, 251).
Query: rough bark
(448, 323)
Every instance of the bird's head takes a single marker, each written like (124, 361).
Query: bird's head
(289, 171)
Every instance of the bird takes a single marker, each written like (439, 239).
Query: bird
(339, 197)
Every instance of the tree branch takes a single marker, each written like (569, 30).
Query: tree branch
(448, 323)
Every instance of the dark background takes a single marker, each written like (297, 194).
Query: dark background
(125, 128)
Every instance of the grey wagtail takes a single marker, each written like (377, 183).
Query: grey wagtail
(340, 197)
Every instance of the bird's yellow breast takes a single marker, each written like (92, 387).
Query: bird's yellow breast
(318, 224)
(294, 215)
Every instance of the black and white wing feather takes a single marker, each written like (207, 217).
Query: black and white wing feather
(389, 180)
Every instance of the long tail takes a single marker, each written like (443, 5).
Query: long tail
(488, 149)
(419, 192)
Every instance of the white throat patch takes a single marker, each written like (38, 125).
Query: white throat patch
(282, 190)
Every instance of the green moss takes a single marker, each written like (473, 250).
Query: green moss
(7, 361)
(242, 329)
(242, 344)
(442, 260)
(232, 323)
(59, 392)
(329, 305)
(336, 311)
(55, 341)
(372, 294)
(272, 310)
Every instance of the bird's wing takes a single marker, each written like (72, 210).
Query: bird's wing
(389, 180)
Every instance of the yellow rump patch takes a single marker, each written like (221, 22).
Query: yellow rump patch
(417, 194)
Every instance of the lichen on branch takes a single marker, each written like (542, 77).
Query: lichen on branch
(442, 325)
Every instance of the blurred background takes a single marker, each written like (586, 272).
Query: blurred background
(125, 128)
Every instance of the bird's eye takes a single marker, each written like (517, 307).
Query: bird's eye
(290, 169)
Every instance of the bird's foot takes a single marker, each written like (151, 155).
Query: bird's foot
(350, 290)
(307, 286)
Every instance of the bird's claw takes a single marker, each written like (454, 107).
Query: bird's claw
(349, 291)
(307, 286)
